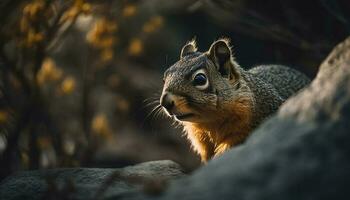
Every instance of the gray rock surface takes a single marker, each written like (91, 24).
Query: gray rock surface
(88, 183)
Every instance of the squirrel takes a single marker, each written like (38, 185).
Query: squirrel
(217, 102)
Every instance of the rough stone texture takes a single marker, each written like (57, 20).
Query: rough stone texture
(86, 183)
(301, 153)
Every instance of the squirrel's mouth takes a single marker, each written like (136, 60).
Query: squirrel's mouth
(183, 117)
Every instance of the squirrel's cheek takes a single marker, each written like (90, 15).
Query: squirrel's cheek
(182, 107)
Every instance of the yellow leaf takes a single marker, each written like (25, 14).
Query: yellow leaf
(129, 10)
(107, 55)
(70, 14)
(101, 35)
(68, 85)
(100, 126)
(157, 21)
(153, 24)
(86, 8)
(135, 47)
(33, 37)
(32, 9)
(107, 41)
(48, 72)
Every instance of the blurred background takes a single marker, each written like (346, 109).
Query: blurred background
(79, 78)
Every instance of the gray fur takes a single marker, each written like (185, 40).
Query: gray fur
(271, 86)
(284, 79)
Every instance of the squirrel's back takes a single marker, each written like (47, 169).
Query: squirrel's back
(287, 81)
(271, 86)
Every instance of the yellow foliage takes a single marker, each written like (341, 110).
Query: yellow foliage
(71, 14)
(153, 24)
(101, 34)
(100, 126)
(86, 8)
(68, 85)
(31, 10)
(78, 3)
(107, 55)
(111, 26)
(33, 37)
(129, 10)
(48, 72)
(32, 16)
(4, 115)
(107, 41)
(79, 6)
(135, 47)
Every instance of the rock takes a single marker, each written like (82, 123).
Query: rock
(88, 183)
(300, 153)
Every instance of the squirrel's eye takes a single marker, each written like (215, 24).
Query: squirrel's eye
(200, 80)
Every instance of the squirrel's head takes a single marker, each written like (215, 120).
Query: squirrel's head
(201, 86)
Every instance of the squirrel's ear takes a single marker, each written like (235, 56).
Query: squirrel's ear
(189, 48)
(220, 53)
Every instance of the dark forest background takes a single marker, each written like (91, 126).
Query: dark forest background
(79, 78)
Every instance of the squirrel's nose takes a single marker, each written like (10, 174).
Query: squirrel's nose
(167, 101)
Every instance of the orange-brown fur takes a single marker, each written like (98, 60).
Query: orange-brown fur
(232, 126)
